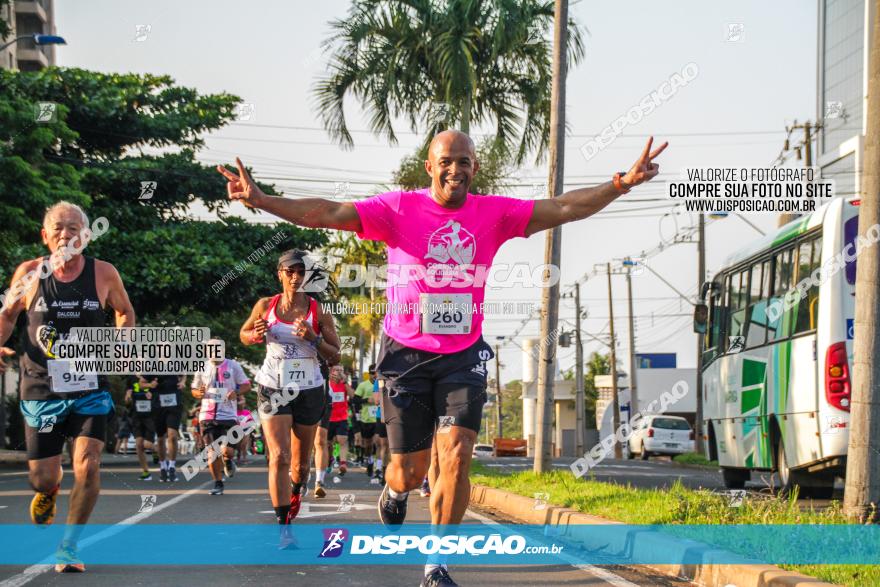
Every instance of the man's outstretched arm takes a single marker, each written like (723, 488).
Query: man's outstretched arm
(584, 202)
(306, 212)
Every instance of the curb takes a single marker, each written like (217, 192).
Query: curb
(522, 508)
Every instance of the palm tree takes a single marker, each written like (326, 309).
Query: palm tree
(440, 63)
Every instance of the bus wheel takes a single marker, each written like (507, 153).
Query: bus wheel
(735, 478)
(783, 472)
(808, 485)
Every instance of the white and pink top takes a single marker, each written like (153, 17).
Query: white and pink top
(438, 262)
(290, 359)
(219, 380)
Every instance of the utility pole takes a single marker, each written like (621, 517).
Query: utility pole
(633, 392)
(808, 128)
(699, 445)
(862, 492)
(499, 430)
(615, 400)
(553, 246)
(578, 374)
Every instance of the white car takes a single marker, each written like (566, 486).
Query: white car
(483, 450)
(660, 435)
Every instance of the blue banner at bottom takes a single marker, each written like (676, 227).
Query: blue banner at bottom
(467, 544)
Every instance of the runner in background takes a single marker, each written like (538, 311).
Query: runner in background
(354, 405)
(296, 333)
(368, 413)
(244, 419)
(166, 419)
(219, 385)
(340, 392)
(140, 397)
(323, 448)
(381, 437)
(123, 433)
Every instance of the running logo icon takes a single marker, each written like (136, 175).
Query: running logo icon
(147, 503)
(148, 188)
(334, 541)
(47, 424)
(452, 242)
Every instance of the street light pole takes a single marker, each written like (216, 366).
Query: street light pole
(633, 393)
(701, 268)
(499, 428)
(578, 374)
(615, 401)
(38, 40)
(553, 247)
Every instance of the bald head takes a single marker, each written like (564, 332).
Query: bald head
(452, 138)
(452, 163)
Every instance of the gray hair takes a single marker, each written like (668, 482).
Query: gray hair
(64, 205)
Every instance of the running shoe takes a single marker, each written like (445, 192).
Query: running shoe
(439, 577)
(163, 475)
(287, 540)
(295, 503)
(172, 476)
(319, 490)
(391, 511)
(68, 562)
(229, 468)
(218, 488)
(43, 507)
(145, 476)
(425, 489)
(343, 467)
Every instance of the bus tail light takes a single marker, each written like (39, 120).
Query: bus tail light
(650, 433)
(837, 387)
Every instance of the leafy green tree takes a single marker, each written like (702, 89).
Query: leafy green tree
(436, 64)
(110, 133)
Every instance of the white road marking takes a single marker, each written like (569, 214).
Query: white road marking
(597, 572)
(34, 571)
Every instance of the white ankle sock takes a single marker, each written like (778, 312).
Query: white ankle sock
(398, 496)
(429, 568)
(321, 474)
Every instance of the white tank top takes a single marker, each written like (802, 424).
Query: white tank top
(289, 358)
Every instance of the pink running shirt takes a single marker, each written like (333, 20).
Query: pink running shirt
(437, 250)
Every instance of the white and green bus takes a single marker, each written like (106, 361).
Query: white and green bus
(776, 384)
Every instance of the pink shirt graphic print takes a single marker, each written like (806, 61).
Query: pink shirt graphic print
(438, 254)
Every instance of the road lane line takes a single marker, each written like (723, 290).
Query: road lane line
(34, 571)
(597, 572)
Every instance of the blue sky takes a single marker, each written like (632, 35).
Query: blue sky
(732, 114)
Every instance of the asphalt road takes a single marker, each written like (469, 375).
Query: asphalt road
(246, 502)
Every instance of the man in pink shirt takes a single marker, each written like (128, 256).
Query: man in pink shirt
(441, 242)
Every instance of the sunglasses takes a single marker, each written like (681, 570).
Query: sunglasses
(293, 270)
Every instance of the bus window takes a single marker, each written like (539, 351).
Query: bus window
(757, 312)
(850, 230)
(738, 295)
(782, 282)
(713, 332)
(809, 253)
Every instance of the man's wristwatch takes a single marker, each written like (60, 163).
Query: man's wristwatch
(618, 184)
(317, 342)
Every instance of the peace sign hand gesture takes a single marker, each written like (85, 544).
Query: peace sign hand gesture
(644, 169)
(242, 187)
